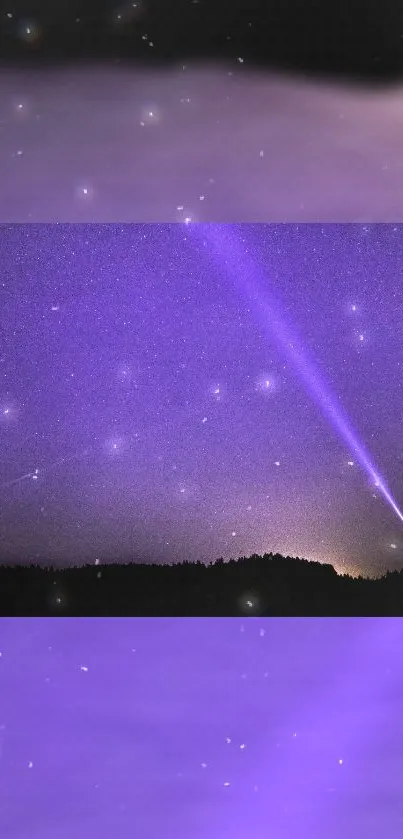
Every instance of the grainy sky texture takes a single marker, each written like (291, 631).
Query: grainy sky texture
(191, 728)
(148, 412)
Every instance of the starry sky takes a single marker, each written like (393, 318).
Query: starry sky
(153, 408)
(192, 728)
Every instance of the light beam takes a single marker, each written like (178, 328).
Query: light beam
(252, 284)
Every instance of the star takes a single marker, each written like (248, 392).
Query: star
(176, 365)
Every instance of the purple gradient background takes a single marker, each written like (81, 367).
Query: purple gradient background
(117, 749)
(115, 339)
(225, 144)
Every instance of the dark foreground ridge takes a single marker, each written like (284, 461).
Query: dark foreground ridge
(351, 37)
(259, 585)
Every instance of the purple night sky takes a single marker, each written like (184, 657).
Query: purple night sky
(192, 729)
(219, 143)
(147, 413)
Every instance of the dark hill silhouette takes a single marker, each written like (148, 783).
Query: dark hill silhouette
(258, 585)
(350, 37)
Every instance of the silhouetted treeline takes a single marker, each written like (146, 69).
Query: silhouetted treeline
(357, 37)
(258, 585)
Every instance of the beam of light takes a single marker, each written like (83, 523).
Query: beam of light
(252, 283)
(34, 475)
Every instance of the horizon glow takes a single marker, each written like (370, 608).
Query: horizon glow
(147, 414)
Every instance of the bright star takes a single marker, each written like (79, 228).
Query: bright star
(265, 384)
